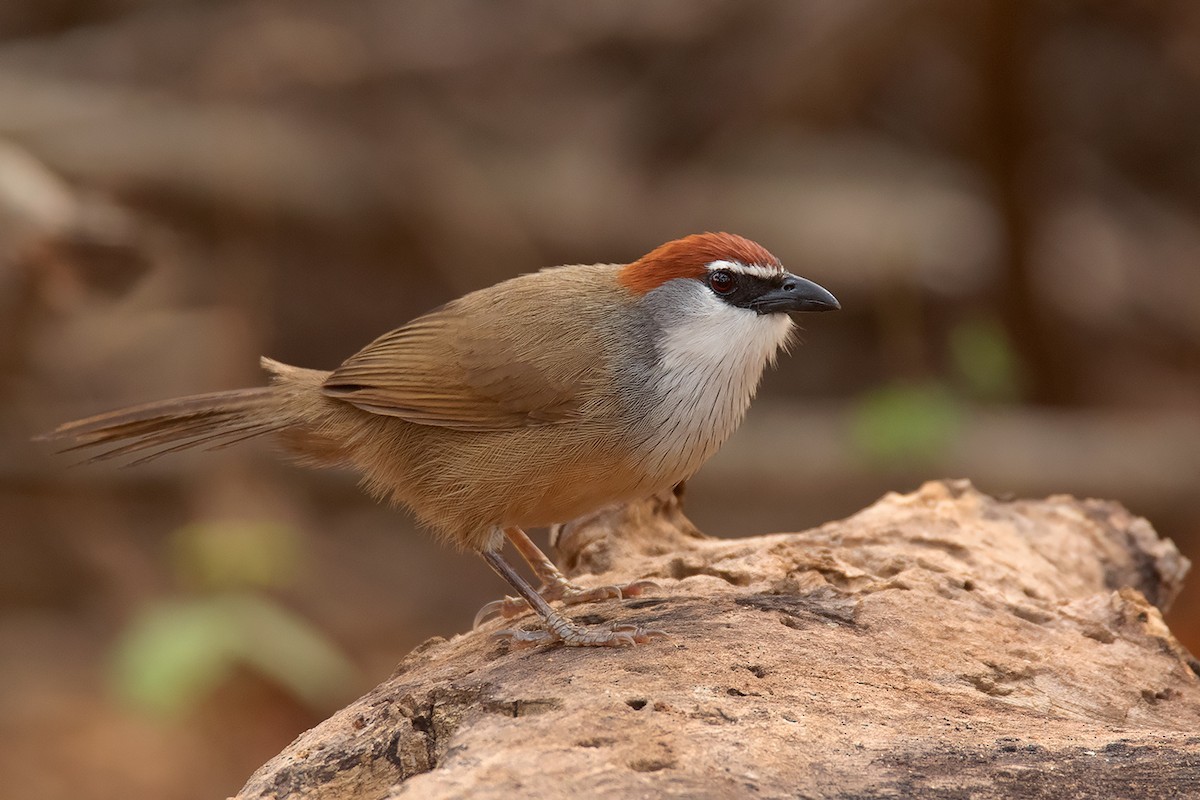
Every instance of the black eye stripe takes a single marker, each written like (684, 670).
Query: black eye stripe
(742, 288)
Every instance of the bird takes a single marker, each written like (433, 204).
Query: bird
(532, 402)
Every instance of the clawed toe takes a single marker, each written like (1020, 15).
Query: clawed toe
(519, 638)
(639, 634)
(637, 588)
(576, 595)
(572, 635)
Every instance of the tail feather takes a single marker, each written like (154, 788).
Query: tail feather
(211, 436)
(215, 419)
(213, 441)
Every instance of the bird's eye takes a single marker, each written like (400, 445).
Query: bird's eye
(721, 281)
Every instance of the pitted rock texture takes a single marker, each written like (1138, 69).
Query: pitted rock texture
(940, 644)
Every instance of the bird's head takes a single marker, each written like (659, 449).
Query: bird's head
(720, 303)
(734, 271)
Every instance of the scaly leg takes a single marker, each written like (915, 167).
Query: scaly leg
(558, 627)
(555, 585)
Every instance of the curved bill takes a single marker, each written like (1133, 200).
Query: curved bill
(795, 295)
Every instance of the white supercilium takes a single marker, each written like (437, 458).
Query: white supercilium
(757, 270)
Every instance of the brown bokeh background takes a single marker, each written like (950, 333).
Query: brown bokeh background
(1002, 194)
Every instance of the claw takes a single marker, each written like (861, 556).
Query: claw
(508, 608)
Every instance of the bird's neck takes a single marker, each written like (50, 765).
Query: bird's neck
(710, 365)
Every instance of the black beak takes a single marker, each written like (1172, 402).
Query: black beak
(794, 295)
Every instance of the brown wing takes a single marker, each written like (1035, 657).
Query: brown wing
(476, 378)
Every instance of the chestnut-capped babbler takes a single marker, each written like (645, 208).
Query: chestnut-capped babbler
(528, 403)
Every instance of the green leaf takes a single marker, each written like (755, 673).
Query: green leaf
(985, 360)
(175, 653)
(172, 654)
(287, 649)
(907, 423)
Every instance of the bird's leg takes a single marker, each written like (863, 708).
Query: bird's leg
(555, 585)
(558, 627)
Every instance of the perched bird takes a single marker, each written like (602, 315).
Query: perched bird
(528, 403)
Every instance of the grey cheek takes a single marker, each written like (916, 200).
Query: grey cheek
(637, 353)
(677, 300)
(634, 354)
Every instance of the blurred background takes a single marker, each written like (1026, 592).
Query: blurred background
(1004, 195)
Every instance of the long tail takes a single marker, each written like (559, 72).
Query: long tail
(213, 420)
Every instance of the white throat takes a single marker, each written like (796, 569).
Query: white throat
(711, 358)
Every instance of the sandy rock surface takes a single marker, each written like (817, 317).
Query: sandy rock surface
(940, 644)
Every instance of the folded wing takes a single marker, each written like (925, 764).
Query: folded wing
(453, 370)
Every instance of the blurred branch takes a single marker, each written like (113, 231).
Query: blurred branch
(119, 137)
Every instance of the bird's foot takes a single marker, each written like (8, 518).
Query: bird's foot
(565, 591)
(567, 633)
(559, 628)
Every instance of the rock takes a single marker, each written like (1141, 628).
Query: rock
(937, 644)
